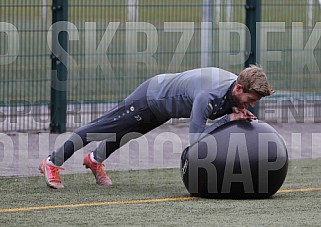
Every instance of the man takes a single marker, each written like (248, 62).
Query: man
(199, 94)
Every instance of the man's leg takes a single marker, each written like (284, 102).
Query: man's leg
(133, 130)
(50, 166)
(132, 115)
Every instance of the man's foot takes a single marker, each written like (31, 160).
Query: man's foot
(98, 171)
(52, 175)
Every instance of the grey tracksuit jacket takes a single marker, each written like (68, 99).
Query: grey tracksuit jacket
(198, 94)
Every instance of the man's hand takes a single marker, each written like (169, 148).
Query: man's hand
(239, 114)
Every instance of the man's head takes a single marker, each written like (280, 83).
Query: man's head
(251, 85)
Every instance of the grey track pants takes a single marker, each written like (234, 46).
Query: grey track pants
(130, 119)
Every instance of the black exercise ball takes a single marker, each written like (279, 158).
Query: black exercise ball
(241, 159)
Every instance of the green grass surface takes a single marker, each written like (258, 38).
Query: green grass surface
(135, 195)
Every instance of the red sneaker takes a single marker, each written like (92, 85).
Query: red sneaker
(98, 171)
(52, 175)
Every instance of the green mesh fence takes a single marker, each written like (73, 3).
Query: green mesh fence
(24, 76)
(295, 67)
(118, 44)
(290, 53)
(140, 47)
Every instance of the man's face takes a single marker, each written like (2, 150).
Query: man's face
(244, 99)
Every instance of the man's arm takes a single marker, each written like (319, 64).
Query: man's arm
(202, 109)
(237, 115)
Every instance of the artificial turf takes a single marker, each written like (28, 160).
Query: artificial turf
(156, 197)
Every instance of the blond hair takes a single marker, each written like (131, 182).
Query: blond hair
(253, 79)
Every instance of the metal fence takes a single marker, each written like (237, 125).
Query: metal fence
(25, 65)
(112, 46)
